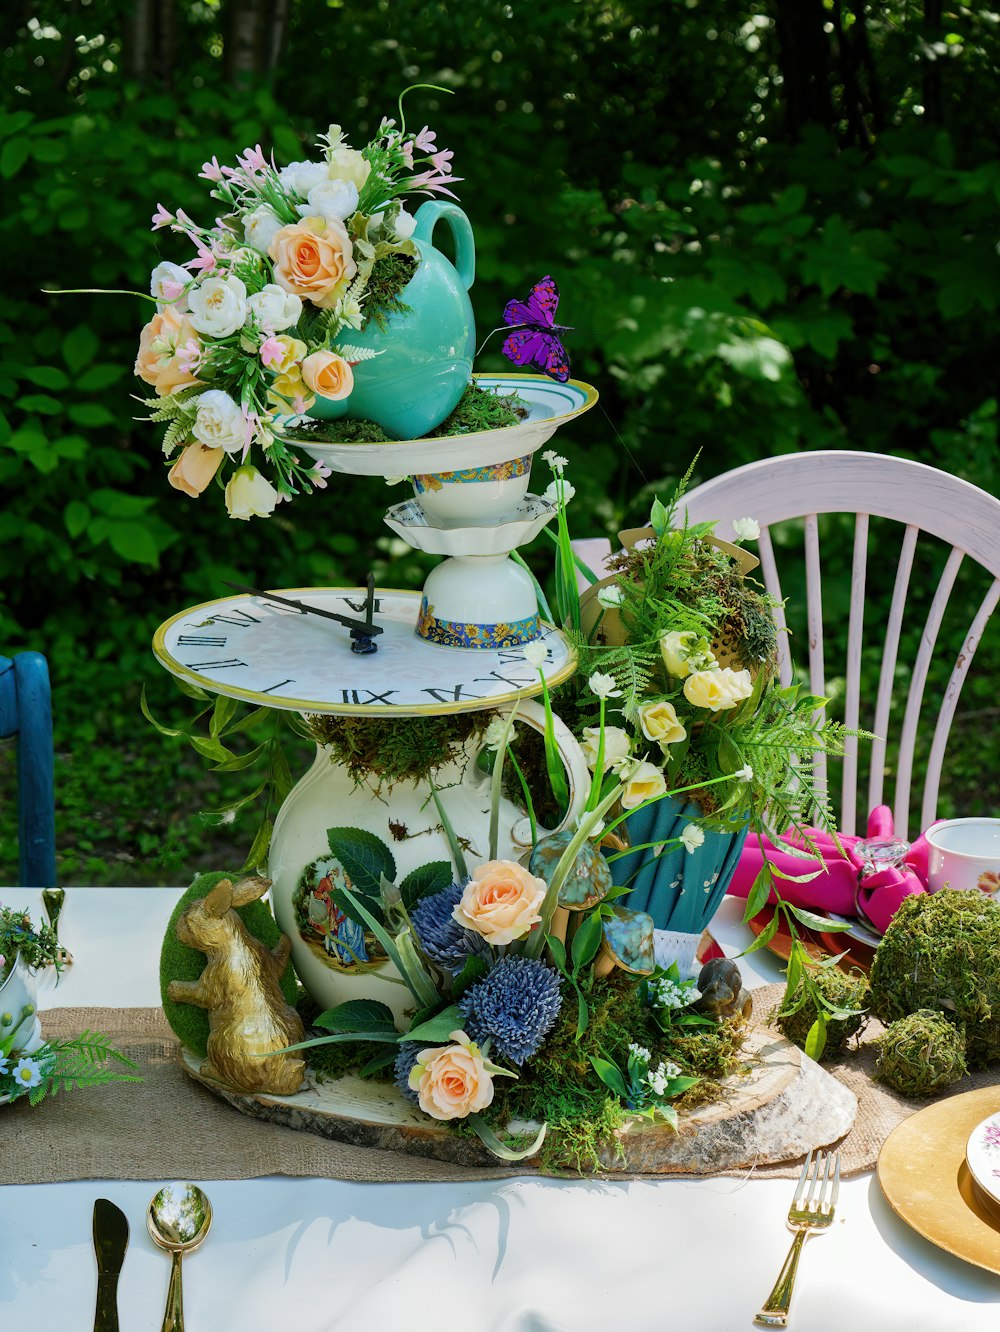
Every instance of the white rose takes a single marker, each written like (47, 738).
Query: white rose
(617, 746)
(349, 165)
(218, 306)
(250, 495)
(404, 224)
(646, 783)
(659, 722)
(260, 228)
(167, 284)
(274, 308)
(219, 424)
(717, 689)
(333, 199)
(299, 177)
(737, 684)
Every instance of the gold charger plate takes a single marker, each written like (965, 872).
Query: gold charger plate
(927, 1183)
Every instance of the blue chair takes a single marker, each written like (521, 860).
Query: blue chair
(26, 711)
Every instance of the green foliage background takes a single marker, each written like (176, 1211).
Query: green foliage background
(774, 226)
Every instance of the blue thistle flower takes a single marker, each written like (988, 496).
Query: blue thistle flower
(516, 1005)
(405, 1060)
(441, 937)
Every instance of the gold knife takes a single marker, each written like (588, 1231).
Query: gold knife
(110, 1243)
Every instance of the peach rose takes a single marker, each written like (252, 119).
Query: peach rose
(452, 1081)
(194, 468)
(158, 362)
(314, 259)
(501, 902)
(328, 375)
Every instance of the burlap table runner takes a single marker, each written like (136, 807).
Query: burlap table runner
(169, 1127)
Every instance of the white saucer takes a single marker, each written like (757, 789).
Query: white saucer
(409, 521)
(549, 404)
(982, 1154)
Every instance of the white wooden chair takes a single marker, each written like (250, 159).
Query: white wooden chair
(928, 503)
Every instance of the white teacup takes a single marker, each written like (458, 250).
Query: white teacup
(965, 853)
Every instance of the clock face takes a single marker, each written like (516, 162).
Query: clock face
(253, 649)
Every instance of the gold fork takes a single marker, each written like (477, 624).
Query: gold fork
(812, 1209)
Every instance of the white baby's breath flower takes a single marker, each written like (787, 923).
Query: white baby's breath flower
(550, 456)
(746, 529)
(639, 1052)
(603, 685)
(535, 654)
(611, 596)
(692, 837)
(744, 774)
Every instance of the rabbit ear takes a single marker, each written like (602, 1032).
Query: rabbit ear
(220, 899)
(248, 890)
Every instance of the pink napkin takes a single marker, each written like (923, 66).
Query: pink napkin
(834, 889)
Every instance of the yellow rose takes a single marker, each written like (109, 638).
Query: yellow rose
(292, 351)
(672, 648)
(617, 746)
(158, 362)
(314, 259)
(453, 1081)
(718, 689)
(250, 495)
(501, 902)
(350, 165)
(194, 468)
(646, 783)
(659, 722)
(328, 375)
(288, 395)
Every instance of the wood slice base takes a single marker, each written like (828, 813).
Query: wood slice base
(783, 1105)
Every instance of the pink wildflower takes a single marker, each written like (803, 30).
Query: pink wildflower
(271, 352)
(161, 218)
(424, 141)
(171, 290)
(189, 356)
(253, 160)
(439, 161)
(318, 478)
(211, 170)
(433, 183)
(205, 262)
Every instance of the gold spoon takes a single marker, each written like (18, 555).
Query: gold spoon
(178, 1219)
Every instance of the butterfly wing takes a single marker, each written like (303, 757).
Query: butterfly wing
(543, 301)
(525, 347)
(556, 360)
(517, 313)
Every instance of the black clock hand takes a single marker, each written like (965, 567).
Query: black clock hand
(360, 627)
(362, 641)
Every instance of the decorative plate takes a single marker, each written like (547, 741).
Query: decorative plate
(926, 1181)
(550, 405)
(817, 942)
(409, 521)
(982, 1153)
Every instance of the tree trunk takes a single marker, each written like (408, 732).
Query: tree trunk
(244, 41)
(166, 43)
(139, 40)
(805, 63)
(276, 33)
(933, 102)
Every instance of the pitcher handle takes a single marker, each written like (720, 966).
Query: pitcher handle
(427, 217)
(577, 772)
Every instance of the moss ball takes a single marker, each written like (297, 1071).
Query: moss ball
(844, 989)
(942, 952)
(921, 1054)
(179, 962)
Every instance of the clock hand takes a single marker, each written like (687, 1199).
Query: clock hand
(361, 628)
(363, 642)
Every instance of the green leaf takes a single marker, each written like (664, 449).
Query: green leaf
(15, 152)
(358, 1015)
(764, 938)
(239, 762)
(76, 515)
(812, 921)
(433, 877)
(490, 1140)
(365, 858)
(437, 1031)
(90, 414)
(144, 709)
(211, 749)
(558, 950)
(221, 713)
(758, 894)
(582, 1014)
(79, 347)
(39, 402)
(587, 941)
(133, 542)
(99, 377)
(610, 1075)
(816, 1038)
(45, 376)
(257, 855)
(381, 1060)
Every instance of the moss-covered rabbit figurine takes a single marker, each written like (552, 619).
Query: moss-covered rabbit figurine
(248, 1015)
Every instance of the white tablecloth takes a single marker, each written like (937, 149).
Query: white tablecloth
(522, 1255)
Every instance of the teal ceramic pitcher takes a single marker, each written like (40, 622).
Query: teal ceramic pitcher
(426, 353)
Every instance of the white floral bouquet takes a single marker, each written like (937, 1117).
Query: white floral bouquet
(256, 327)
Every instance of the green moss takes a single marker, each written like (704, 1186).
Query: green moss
(922, 1054)
(179, 962)
(942, 952)
(479, 409)
(381, 751)
(842, 989)
(389, 277)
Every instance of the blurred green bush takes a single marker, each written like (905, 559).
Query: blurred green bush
(757, 255)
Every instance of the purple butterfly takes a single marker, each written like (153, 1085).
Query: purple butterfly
(534, 339)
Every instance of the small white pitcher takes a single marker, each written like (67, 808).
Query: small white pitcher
(15, 992)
